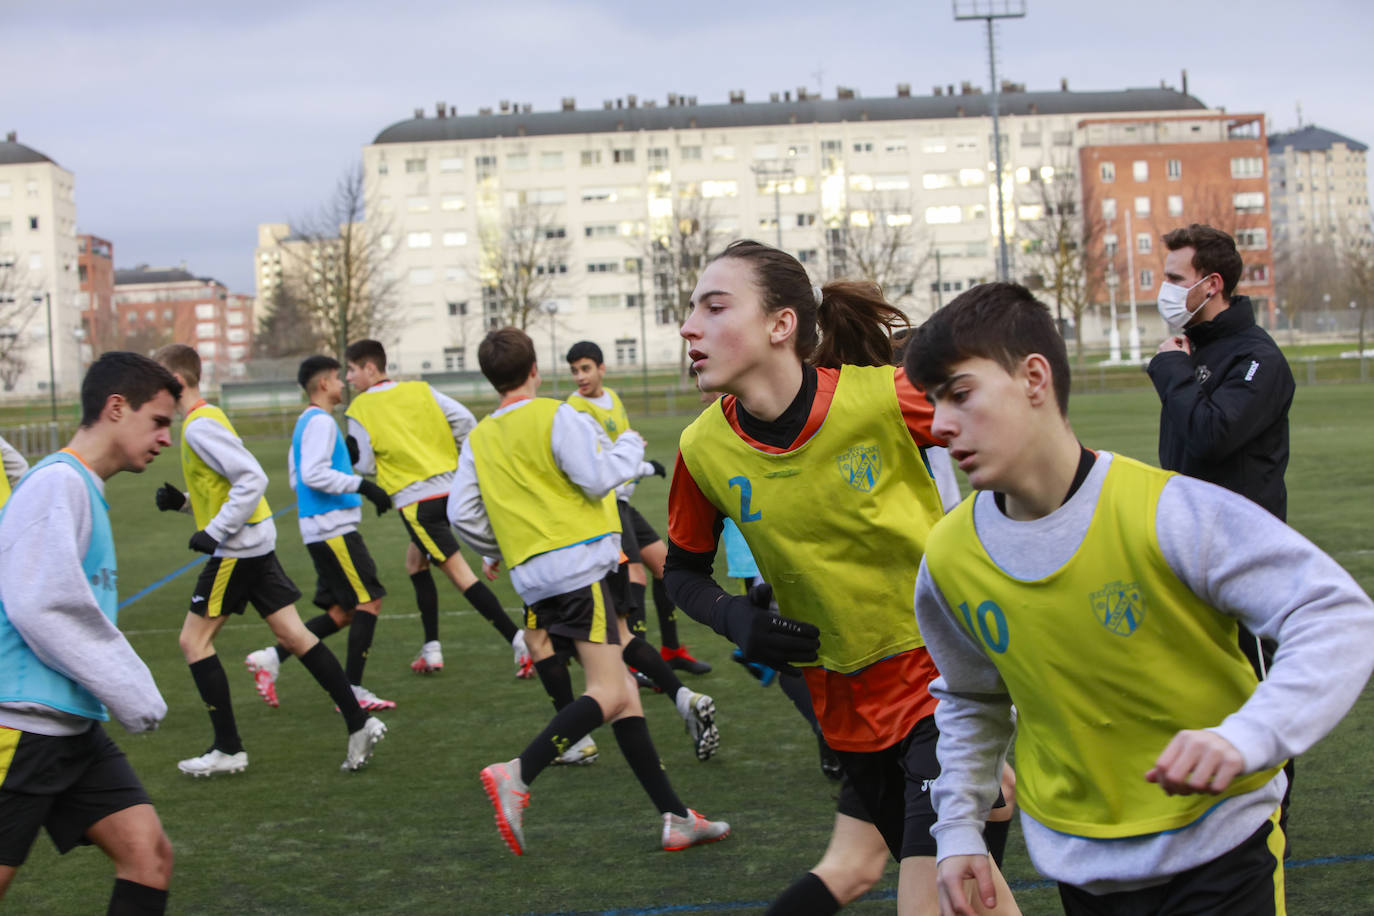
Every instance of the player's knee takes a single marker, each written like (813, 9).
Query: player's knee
(850, 879)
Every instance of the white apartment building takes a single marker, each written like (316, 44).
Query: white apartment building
(1318, 187)
(38, 254)
(789, 171)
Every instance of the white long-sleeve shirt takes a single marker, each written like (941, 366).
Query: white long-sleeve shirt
(460, 421)
(45, 532)
(317, 472)
(1234, 556)
(584, 452)
(624, 491)
(15, 464)
(225, 453)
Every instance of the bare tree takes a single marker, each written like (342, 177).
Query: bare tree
(1063, 246)
(524, 264)
(677, 248)
(1357, 274)
(879, 241)
(339, 267)
(287, 328)
(18, 305)
(142, 338)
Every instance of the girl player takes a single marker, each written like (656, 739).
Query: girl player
(816, 454)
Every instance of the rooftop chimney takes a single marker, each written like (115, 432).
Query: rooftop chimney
(736, 96)
(672, 100)
(484, 111)
(505, 106)
(692, 100)
(441, 109)
(12, 137)
(844, 92)
(607, 105)
(631, 100)
(1185, 82)
(774, 97)
(1063, 84)
(419, 113)
(903, 90)
(569, 103)
(801, 94)
(937, 90)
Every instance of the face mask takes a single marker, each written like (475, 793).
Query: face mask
(1173, 304)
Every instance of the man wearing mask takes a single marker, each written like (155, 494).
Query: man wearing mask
(1224, 386)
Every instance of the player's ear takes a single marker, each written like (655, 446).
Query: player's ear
(1038, 379)
(115, 408)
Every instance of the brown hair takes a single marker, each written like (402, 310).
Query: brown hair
(506, 356)
(133, 375)
(182, 360)
(1214, 252)
(360, 352)
(852, 324)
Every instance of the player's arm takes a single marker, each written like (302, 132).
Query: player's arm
(225, 453)
(1254, 392)
(51, 604)
(584, 452)
(360, 448)
(917, 410)
(460, 419)
(467, 513)
(15, 464)
(1243, 561)
(317, 464)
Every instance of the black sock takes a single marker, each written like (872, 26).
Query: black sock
(359, 642)
(553, 674)
(427, 600)
(213, 685)
(797, 692)
(324, 667)
(642, 657)
(568, 726)
(995, 835)
(321, 625)
(634, 609)
(807, 896)
(667, 619)
(489, 606)
(133, 899)
(632, 734)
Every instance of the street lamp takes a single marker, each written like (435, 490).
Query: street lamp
(1114, 335)
(46, 298)
(776, 174)
(644, 334)
(551, 309)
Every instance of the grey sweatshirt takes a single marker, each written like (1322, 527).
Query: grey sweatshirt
(45, 533)
(225, 453)
(460, 423)
(1234, 556)
(317, 472)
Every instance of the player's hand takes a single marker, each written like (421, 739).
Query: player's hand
(375, 494)
(761, 595)
(1179, 343)
(203, 543)
(1196, 762)
(352, 445)
(659, 469)
(490, 568)
(169, 498)
(956, 876)
(767, 638)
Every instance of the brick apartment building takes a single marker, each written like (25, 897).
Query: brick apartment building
(95, 272)
(160, 305)
(1144, 176)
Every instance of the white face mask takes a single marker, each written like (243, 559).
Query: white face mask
(1173, 304)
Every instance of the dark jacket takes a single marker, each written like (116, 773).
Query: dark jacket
(1225, 407)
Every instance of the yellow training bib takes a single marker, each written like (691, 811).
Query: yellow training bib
(410, 436)
(613, 420)
(209, 489)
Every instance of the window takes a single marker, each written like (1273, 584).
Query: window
(594, 195)
(1108, 172)
(971, 178)
(415, 165)
(765, 151)
(4, 189)
(454, 238)
(1143, 243)
(723, 153)
(690, 153)
(601, 230)
(1109, 209)
(419, 239)
(518, 162)
(626, 351)
(933, 145)
(1252, 238)
(1249, 202)
(1257, 273)
(832, 147)
(486, 167)
(555, 232)
(1142, 206)
(205, 310)
(896, 145)
(893, 182)
(454, 274)
(238, 335)
(863, 146)
(1140, 170)
(1109, 244)
(603, 302)
(966, 143)
(553, 267)
(658, 155)
(1030, 138)
(1174, 169)
(768, 222)
(934, 180)
(719, 189)
(35, 262)
(6, 227)
(455, 358)
(208, 348)
(234, 318)
(452, 202)
(552, 160)
(806, 219)
(808, 255)
(1175, 204)
(33, 223)
(623, 156)
(451, 164)
(1147, 279)
(421, 276)
(1247, 167)
(1062, 138)
(418, 204)
(207, 329)
(798, 150)
(603, 267)
(943, 215)
(1030, 212)
(382, 167)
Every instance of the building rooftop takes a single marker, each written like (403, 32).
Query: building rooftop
(145, 274)
(12, 152)
(521, 122)
(1310, 138)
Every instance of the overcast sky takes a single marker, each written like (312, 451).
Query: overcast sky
(187, 124)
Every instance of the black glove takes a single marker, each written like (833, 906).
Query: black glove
(352, 445)
(767, 638)
(659, 469)
(761, 596)
(376, 494)
(169, 498)
(203, 542)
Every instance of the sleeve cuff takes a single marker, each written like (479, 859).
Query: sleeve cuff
(959, 840)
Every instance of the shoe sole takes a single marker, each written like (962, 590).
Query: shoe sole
(420, 667)
(502, 825)
(714, 839)
(375, 739)
(692, 667)
(579, 762)
(706, 741)
(205, 774)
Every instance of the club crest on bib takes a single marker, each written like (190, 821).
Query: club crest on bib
(1120, 607)
(610, 425)
(861, 466)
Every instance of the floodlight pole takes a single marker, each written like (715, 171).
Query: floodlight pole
(988, 10)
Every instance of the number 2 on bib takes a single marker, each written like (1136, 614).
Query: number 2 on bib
(746, 491)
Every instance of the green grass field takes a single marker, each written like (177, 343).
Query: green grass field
(413, 832)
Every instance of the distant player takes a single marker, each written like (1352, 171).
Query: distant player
(234, 525)
(1101, 597)
(329, 498)
(533, 488)
(638, 539)
(14, 467)
(63, 661)
(407, 433)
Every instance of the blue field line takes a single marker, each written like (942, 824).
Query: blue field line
(891, 894)
(148, 590)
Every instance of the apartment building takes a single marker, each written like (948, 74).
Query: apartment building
(799, 171)
(95, 273)
(38, 275)
(1319, 188)
(160, 305)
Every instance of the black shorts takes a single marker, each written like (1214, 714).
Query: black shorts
(227, 584)
(1248, 879)
(63, 784)
(347, 577)
(427, 524)
(890, 789)
(586, 614)
(635, 531)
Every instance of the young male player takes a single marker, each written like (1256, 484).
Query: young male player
(533, 489)
(407, 433)
(14, 468)
(63, 661)
(329, 498)
(234, 525)
(638, 539)
(1101, 597)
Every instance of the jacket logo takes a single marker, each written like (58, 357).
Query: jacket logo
(1202, 374)
(860, 466)
(1119, 607)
